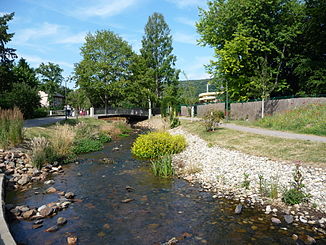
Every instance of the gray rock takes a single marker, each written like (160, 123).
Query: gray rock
(288, 218)
(61, 221)
(69, 195)
(52, 229)
(238, 209)
(23, 180)
(46, 211)
(49, 182)
(275, 220)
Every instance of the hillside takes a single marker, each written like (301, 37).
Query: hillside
(199, 85)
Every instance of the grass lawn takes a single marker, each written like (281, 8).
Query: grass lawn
(310, 119)
(312, 153)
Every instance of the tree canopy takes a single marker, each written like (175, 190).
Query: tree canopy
(105, 67)
(157, 52)
(258, 45)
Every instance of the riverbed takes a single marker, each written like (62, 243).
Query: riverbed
(156, 209)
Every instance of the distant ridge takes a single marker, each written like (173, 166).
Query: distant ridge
(199, 85)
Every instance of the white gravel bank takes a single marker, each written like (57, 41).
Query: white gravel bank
(223, 170)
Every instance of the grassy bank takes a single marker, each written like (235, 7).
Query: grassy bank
(310, 119)
(63, 141)
(274, 148)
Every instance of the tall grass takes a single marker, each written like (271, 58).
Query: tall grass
(162, 166)
(62, 140)
(11, 127)
(41, 152)
(310, 119)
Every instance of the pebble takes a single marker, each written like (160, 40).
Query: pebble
(238, 209)
(276, 220)
(61, 221)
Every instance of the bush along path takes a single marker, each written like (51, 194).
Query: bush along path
(287, 193)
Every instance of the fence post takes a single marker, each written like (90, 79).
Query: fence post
(51, 113)
(91, 112)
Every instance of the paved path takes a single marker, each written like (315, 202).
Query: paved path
(268, 132)
(37, 122)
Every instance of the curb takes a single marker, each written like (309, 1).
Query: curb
(5, 234)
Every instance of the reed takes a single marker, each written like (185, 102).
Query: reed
(11, 127)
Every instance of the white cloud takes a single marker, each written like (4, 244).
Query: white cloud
(185, 38)
(44, 30)
(35, 61)
(105, 8)
(187, 3)
(186, 21)
(196, 69)
(73, 39)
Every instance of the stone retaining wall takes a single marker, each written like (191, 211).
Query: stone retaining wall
(5, 234)
(252, 110)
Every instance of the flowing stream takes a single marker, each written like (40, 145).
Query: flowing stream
(161, 208)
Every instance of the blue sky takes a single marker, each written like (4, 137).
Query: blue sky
(54, 30)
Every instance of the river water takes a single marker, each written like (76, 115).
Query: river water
(161, 208)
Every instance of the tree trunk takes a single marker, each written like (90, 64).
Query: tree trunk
(149, 108)
(106, 103)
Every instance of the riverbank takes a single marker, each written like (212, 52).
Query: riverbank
(228, 172)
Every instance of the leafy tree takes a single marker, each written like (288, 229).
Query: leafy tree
(140, 88)
(310, 59)
(78, 100)
(105, 67)
(7, 56)
(250, 37)
(25, 98)
(23, 73)
(157, 52)
(50, 76)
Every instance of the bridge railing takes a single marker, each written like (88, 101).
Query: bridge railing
(122, 111)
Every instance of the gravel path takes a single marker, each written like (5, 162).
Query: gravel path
(268, 132)
(224, 170)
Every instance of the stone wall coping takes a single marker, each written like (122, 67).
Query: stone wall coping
(5, 234)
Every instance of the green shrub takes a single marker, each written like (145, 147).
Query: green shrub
(11, 127)
(162, 166)
(293, 196)
(124, 127)
(84, 130)
(156, 144)
(40, 112)
(87, 145)
(296, 195)
(212, 119)
(103, 138)
(174, 122)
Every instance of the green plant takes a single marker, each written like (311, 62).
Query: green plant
(246, 182)
(174, 121)
(103, 138)
(41, 152)
(156, 144)
(62, 140)
(296, 194)
(11, 127)
(40, 112)
(87, 145)
(124, 127)
(212, 119)
(162, 166)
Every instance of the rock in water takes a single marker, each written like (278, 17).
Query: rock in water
(288, 218)
(275, 220)
(238, 209)
(127, 200)
(69, 195)
(51, 190)
(52, 229)
(49, 182)
(28, 214)
(45, 211)
(309, 240)
(72, 240)
(61, 221)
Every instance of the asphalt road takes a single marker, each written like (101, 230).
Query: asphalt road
(37, 122)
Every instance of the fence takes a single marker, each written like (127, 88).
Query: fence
(252, 110)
